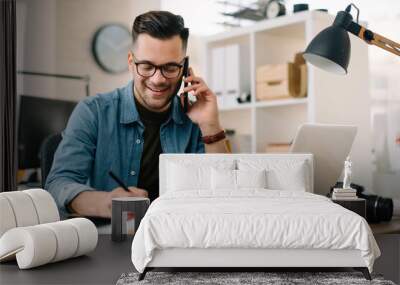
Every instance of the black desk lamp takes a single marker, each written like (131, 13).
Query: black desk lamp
(330, 49)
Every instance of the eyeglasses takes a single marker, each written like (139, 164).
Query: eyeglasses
(169, 70)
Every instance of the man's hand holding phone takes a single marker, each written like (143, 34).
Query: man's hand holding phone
(204, 111)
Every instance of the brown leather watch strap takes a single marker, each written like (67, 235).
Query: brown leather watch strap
(214, 138)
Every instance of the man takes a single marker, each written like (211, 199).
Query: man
(125, 130)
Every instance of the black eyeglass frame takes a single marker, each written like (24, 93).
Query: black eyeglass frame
(137, 63)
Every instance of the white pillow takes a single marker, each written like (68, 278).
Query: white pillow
(236, 179)
(223, 179)
(294, 179)
(251, 178)
(282, 174)
(193, 175)
(183, 178)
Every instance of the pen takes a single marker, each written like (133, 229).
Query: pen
(119, 181)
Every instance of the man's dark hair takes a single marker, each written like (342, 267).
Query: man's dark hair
(160, 25)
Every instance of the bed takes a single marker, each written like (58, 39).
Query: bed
(245, 211)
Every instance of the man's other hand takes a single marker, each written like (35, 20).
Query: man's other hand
(120, 192)
(98, 203)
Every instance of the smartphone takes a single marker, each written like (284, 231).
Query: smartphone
(185, 95)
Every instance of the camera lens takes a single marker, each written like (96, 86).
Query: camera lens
(378, 209)
(385, 209)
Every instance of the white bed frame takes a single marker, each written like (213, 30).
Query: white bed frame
(250, 257)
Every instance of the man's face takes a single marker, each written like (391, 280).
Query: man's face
(156, 91)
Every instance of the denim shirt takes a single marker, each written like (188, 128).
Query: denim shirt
(105, 133)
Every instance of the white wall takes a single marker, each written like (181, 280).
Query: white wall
(57, 36)
(36, 45)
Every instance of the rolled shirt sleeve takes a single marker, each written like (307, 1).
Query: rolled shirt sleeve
(200, 144)
(74, 157)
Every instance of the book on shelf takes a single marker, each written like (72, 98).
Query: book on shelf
(344, 190)
(346, 196)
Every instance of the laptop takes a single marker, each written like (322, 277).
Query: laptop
(330, 145)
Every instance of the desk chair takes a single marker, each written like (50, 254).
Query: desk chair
(46, 154)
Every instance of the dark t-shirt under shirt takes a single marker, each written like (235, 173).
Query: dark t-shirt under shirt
(148, 173)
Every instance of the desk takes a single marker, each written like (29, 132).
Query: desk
(102, 266)
(392, 227)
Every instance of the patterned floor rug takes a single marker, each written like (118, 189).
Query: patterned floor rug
(243, 278)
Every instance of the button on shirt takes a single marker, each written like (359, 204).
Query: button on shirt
(105, 133)
(148, 173)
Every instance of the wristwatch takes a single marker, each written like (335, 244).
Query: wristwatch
(214, 138)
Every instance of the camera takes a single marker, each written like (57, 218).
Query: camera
(378, 208)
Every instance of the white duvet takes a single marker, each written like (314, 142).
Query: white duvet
(253, 218)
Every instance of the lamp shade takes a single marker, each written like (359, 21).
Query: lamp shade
(330, 50)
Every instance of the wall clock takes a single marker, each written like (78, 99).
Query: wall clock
(274, 9)
(110, 47)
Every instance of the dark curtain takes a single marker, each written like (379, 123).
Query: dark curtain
(8, 97)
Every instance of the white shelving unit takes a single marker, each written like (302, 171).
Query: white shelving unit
(331, 98)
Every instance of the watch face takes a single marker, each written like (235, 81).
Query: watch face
(273, 9)
(111, 44)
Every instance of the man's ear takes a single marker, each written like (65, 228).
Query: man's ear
(130, 61)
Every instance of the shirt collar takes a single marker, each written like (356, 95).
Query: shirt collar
(130, 114)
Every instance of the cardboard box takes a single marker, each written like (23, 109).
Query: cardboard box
(273, 81)
(279, 81)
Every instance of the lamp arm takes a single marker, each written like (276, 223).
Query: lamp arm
(385, 43)
(373, 38)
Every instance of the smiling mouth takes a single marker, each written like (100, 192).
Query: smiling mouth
(157, 90)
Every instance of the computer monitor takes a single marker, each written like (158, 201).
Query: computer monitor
(39, 118)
